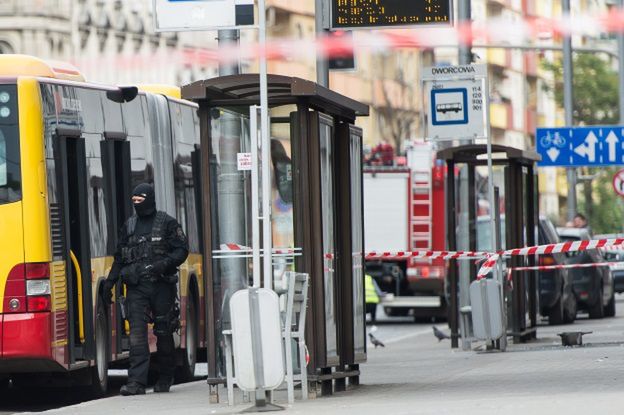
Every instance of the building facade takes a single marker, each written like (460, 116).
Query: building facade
(113, 41)
(110, 41)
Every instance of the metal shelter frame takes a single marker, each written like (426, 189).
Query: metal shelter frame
(521, 216)
(316, 106)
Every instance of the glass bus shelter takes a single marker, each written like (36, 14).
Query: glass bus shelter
(468, 227)
(316, 158)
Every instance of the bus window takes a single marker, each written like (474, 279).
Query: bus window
(10, 175)
(133, 117)
(3, 166)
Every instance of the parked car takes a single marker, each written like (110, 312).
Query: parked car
(556, 293)
(617, 270)
(593, 287)
(556, 297)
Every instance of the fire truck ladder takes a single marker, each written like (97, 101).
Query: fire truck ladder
(421, 209)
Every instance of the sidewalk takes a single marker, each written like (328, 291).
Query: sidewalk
(417, 375)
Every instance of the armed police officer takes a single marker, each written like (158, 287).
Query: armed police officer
(151, 247)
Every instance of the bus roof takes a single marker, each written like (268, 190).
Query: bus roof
(170, 91)
(25, 65)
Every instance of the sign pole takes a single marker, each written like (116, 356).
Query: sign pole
(266, 189)
(486, 112)
(322, 65)
(266, 153)
(267, 253)
(568, 103)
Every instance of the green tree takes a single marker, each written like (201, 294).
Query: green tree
(595, 102)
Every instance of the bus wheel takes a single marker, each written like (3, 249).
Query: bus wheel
(186, 372)
(99, 372)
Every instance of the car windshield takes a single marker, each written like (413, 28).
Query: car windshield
(10, 174)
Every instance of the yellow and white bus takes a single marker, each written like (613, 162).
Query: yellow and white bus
(70, 153)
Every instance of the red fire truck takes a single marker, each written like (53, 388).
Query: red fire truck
(404, 210)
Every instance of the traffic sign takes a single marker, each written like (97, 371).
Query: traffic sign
(184, 15)
(580, 146)
(455, 99)
(618, 182)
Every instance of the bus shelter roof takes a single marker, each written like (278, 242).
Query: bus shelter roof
(244, 90)
(477, 154)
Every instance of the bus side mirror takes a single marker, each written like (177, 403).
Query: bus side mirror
(123, 94)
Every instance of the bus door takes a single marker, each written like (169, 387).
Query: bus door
(116, 164)
(71, 170)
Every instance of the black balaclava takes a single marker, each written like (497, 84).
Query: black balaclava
(148, 206)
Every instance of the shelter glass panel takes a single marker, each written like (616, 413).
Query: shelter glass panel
(326, 136)
(282, 195)
(230, 191)
(359, 331)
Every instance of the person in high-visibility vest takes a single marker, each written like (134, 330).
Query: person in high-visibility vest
(371, 296)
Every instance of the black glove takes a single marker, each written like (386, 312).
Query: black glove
(160, 267)
(107, 292)
(127, 271)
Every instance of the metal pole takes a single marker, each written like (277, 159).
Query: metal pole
(491, 198)
(464, 16)
(255, 197)
(464, 52)
(568, 107)
(228, 38)
(230, 193)
(620, 39)
(322, 66)
(267, 242)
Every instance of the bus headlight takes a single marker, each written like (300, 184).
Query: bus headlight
(4, 97)
(37, 287)
(5, 112)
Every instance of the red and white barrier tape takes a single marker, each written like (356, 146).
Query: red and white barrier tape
(564, 266)
(237, 248)
(613, 248)
(492, 31)
(428, 254)
(569, 246)
(491, 258)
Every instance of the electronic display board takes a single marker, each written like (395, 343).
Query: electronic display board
(386, 13)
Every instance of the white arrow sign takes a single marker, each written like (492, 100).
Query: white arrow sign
(612, 140)
(589, 149)
(553, 153)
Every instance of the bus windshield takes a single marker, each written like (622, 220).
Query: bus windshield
(10, 174)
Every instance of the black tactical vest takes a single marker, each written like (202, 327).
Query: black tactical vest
(145, 248)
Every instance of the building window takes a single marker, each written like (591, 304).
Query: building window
(6, 48)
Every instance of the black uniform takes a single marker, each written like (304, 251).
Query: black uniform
(151, 247)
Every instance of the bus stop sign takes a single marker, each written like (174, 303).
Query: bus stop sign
(455, 102)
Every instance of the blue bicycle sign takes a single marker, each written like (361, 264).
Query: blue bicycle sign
(599, 145)
(552, 140)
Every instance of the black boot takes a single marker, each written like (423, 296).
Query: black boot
(163, 385)
(131, 389)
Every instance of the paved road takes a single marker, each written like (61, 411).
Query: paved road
(414, 366)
